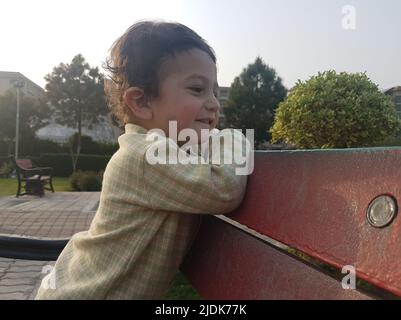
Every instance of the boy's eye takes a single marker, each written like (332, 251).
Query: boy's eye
(196, 89)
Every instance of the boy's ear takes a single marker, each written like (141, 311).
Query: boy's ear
(134, 98)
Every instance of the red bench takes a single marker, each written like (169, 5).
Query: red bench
(306, 215)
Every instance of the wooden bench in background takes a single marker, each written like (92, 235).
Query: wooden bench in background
(33, 180)
(305, 215)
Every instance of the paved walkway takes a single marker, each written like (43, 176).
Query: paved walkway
(54, 216)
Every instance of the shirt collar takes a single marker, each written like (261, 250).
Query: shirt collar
(134, 128)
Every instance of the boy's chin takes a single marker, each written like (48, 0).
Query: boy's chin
(190, 142)
(201, 137)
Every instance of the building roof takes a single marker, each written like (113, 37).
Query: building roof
(392, 90)
(18, 75)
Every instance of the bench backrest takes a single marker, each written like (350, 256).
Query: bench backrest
(304, 217)
(25, 163)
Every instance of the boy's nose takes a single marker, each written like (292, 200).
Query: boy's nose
(212, 104)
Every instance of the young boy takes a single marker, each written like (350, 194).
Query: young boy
(149, 213)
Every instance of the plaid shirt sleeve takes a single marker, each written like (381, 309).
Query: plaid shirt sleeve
(133, 251)
(208, 188)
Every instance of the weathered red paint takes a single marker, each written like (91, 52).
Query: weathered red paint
(314, 201)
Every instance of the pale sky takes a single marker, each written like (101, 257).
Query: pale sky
(296, 37)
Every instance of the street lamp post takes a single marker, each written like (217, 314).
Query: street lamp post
(18, 84)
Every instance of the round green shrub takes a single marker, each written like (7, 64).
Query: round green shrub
(74, 180)
(333, 110)
(85, 181)
(90, 182)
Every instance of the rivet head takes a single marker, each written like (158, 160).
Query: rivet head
(381, 211)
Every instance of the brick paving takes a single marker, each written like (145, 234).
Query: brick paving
(54, 216)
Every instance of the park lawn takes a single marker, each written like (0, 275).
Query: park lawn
(8, 187)
(180, 289)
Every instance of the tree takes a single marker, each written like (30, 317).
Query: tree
(76, 94)
(333, 110)
(33, 115)
(254, 96)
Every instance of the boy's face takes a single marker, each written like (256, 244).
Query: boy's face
(187, 93)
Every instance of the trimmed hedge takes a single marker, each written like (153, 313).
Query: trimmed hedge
(62, 163)
(34, 147)
(86, 181)
(3, 159)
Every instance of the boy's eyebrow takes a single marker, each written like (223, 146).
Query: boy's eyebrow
(197, 75)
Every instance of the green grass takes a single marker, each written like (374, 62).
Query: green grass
(180, 289)
(8, 187)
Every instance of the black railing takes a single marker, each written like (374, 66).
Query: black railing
(15, 247)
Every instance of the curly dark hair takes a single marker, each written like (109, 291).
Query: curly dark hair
(135, 59)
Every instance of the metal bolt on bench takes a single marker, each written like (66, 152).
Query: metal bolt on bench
(381, 211)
